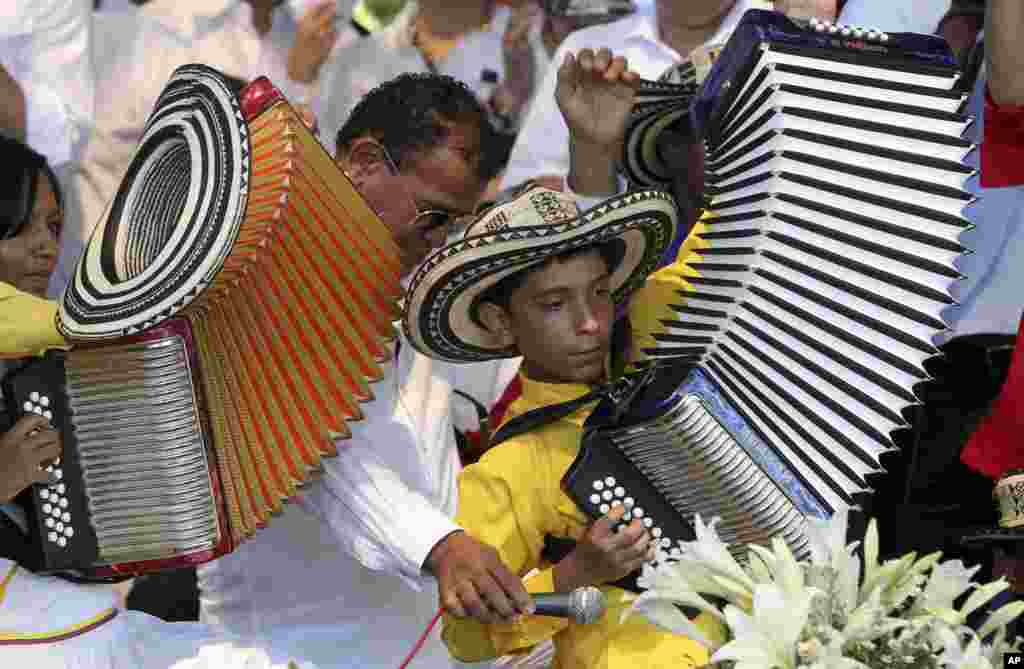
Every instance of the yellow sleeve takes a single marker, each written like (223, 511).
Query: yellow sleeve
(28, 324)
(651, 303)
(502, 503)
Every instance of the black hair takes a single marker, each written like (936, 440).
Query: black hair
(19, 185)
(612, 252)
(408, 115)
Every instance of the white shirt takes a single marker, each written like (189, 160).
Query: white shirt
(34, 606)
(542, 147)
(907, 16)
(337, 576)
(45, 45)
(142, 49)
(354, 69)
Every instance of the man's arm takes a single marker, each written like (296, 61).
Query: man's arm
(1004, 25)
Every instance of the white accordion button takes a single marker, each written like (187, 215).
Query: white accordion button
(37, 410)
(47, 508)
(62, 542)
(607, 494)
(675, 552)
(595, 499)
(44, 400)
(832, 30)
(60, 527)
(858, 33)
(34, 396)
(598, 485)
(48, 415)
(648, 522)
(884, 37)
(69, 531)
(629, 502)
(620, 491)
(61, 488)
(627, 517)
(66, 517)
(52, 536)
(638, 512)
(44, 494)
(56, 510)
(604, 508)
(63, 502)
(656, 532)
(666, 542)
(50, 523)
(609, 482)
(27, 406)
(845, 32)
(59, 473)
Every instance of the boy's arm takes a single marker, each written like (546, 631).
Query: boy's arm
(28, 324)
(1002, 150)
(501, 504)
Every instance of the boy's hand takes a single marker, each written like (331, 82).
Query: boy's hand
(595, 93)
(25, 450)
(473, 582)
(604, 555)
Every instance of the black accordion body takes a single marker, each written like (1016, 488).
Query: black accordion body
(816, 282)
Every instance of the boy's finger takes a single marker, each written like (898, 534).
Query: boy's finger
(27, 424)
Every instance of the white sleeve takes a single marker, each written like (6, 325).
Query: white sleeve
(915, 16)
(58, 77)
(374, 514)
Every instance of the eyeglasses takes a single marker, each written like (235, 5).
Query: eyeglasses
(425, 220)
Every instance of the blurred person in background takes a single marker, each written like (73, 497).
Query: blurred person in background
(242, 38)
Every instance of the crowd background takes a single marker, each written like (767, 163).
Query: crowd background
(78, 80)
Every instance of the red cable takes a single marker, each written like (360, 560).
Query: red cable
(423, 638)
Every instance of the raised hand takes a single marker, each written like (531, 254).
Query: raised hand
(604, 555)
(595, 93)
(314, 39)
(25, 450)
(472, 581)
(806, 9)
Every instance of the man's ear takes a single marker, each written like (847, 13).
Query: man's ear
(363, 159)
(498, 322)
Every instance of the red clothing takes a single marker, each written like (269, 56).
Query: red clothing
(998, 444)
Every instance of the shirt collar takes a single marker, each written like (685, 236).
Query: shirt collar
(538, 394)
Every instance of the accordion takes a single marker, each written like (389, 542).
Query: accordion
(815, 282)
(227, 318)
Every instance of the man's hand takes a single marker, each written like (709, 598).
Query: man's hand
(25, 450)
(604, 555)
(13, 112)
(314, 39)
(595, 93)
(514, 92)
(472, 581)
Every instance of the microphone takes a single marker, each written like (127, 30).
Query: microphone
(583, 605)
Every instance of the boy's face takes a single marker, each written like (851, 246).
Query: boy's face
(560, 319)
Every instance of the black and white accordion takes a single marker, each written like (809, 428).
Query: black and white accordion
(227, 319)
(816, 281)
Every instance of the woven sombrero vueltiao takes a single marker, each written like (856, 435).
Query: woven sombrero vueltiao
(439, 319)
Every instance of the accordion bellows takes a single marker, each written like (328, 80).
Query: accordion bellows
(815, 283)
(230, 314)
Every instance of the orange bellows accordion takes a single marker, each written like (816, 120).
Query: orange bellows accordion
(229, 315)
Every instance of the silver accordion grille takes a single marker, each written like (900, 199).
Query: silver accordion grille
(693, 461)
(142, 450)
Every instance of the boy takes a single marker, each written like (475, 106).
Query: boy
(545, 286)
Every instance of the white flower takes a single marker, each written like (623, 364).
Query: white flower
(948, 581)
(768, 637)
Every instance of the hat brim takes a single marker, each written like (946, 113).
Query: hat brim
(659, 106)
(438, 319)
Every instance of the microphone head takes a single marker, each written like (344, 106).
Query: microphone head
(587, 605)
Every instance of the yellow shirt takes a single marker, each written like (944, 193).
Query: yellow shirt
(511, 499)
(28, 324)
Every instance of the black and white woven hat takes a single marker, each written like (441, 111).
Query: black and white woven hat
(439, 318)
